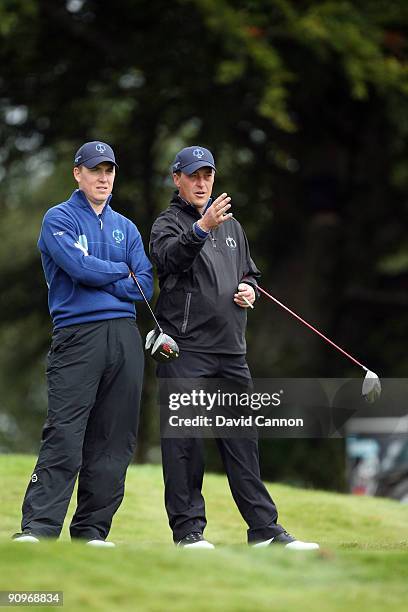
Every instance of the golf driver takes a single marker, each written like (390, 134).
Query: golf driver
(163, 347)
(371, 390)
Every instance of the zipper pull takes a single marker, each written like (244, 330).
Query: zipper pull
(213, 239)
(100, 222)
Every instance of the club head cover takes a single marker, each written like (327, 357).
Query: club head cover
(151, 338)
(163, 347)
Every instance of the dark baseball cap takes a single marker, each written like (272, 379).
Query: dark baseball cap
(93, 153)
(190, 159)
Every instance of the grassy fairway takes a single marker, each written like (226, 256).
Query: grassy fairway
(363, 561)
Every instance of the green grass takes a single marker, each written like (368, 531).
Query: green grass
(363, 561)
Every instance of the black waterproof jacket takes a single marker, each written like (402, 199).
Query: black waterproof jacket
(198, 279)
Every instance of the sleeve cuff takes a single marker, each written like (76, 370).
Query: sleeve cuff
(200, 233)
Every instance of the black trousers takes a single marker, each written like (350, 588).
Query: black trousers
(183, 459)
(94, 376)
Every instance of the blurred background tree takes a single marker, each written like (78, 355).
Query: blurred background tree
(305, 106)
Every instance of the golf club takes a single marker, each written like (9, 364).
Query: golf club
(247, 302)
(164, 348)
(371, 390)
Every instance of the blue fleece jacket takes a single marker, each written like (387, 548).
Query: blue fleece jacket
(86, 259)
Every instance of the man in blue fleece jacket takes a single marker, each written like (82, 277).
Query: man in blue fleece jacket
(95, 363)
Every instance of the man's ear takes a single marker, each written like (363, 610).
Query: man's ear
(77, 173)
(176, 179)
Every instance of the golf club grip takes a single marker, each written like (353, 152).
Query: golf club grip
(312, 328)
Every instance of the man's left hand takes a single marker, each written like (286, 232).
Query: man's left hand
(244, 291)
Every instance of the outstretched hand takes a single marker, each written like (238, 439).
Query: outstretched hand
(216, 214)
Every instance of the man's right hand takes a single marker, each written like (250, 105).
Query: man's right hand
(216, 214)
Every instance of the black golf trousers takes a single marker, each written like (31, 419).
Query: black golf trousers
(183, 459)
(94, 376)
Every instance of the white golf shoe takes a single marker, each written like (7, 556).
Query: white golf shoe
(195, 540)
(100, 544)
(25, 536)
(288, 541)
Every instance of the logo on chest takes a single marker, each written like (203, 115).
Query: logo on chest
(230, 242)
(118, 236)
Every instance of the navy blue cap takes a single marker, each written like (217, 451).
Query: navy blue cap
(93, 153)
(190, 159)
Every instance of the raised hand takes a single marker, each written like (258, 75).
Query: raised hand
(216, 214)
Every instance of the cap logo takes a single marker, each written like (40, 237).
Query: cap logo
(78, 158)
(100, 148)
(198, 153)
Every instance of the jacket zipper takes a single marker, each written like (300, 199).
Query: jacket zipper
(213, 239)
(186, 313)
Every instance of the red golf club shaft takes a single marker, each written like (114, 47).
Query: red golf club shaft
(311, 327)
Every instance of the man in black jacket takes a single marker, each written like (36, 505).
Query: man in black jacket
(207, 281)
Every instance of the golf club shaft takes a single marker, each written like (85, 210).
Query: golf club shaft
(132, 274)
(248, 303)
(312, 328)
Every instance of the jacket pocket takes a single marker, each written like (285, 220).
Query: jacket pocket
(186, 313)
